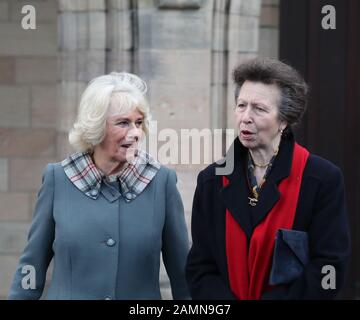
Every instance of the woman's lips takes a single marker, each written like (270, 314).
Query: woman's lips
(246, 135)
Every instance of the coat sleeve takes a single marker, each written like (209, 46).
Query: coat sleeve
(329, 245)
(38, 251)
(203, 276)
(175, 246)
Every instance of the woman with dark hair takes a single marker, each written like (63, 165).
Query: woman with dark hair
(276, 226)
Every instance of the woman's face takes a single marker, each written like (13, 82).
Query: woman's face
(257, 115)
(122, 136)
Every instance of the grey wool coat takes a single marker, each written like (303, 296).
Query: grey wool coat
(106, 248)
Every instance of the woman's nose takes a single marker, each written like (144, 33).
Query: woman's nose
(246, 116)
(134, 132)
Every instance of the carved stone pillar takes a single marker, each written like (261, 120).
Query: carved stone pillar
(121, 36)
(81, 57)
(235, 37)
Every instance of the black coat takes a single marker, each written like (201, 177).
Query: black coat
(320, 211)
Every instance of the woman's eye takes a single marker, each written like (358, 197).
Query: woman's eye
(260, 109)
(241, 105)
(122, 123)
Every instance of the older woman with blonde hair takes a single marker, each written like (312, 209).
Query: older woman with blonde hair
(107, 211)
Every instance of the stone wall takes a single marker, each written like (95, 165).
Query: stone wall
(28, 75)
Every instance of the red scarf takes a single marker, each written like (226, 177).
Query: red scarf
(249, 269)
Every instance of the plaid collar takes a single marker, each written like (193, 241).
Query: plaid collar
(133, 178)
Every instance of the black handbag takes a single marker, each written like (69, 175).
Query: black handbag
(291, 255)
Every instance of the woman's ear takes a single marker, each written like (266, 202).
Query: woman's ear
(283, 126)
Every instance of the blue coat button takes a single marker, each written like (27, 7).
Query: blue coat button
(129, 196)
(110, 242)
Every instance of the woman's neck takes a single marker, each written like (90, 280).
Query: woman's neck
(106, 165)
(263, 156)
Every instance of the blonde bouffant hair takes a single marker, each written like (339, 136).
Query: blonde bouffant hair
(125, 90)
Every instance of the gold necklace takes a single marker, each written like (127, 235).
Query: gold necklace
(263, 165)
(257, 164)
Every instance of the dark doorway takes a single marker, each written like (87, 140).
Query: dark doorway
(330, 62)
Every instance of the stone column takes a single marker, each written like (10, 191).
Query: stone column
(234, 39)
(82, 35)
(122, 36)
(219, 64)
(243, 42)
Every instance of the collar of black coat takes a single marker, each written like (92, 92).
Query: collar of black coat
(235, 194)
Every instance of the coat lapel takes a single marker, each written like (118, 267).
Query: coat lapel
(270, 194)
(235, 195)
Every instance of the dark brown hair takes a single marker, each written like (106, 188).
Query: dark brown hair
(294, 90)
